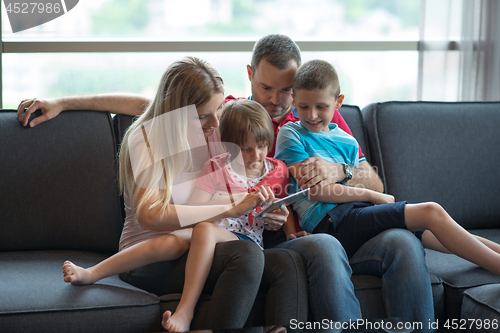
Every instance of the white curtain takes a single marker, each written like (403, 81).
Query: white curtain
(459, 50)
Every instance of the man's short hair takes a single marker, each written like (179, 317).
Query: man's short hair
(278, 50)
(242, 116)
(317, 74)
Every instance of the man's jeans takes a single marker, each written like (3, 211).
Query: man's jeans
(395, 255)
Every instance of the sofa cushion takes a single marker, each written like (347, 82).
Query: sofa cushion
(353, 117)
(350, 113)
(442, 152)
(35, 297)
(59, 185)
(458, 274)
(121, 123)
(481, 309)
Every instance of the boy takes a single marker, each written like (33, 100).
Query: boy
(355, 215)
(316, 94)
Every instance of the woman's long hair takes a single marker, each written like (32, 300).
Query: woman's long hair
(155, 148)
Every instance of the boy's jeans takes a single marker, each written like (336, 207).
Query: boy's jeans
(395, 255)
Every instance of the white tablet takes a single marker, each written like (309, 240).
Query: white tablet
(283, 201)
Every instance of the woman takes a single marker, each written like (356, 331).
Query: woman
(160, 157)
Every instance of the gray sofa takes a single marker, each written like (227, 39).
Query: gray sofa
(447, 153)
(59, 200)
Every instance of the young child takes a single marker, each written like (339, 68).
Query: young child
(245, 127)
(354, 215)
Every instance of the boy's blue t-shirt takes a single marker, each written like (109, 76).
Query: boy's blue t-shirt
(296, 143)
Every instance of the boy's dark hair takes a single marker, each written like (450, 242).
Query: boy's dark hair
(242, 116)
(278, 50)
(317, 74)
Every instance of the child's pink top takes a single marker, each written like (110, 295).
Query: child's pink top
(217, 177)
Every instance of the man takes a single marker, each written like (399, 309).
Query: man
(395, 255)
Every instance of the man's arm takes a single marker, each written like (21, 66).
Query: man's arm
(366, 177)
(363, 177)
(289, 226)
(337, 193)
(315, 171)
(130, 104)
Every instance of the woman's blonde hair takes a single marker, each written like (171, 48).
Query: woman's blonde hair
(188, 81)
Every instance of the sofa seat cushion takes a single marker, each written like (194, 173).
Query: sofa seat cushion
(481, 308)
(458, 274)
(35, 297)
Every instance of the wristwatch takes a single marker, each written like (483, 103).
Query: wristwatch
(348, 172)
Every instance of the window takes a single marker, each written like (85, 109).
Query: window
(373, 44)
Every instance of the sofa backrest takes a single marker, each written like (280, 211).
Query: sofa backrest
(121, 123)
(350, 113)
(442, 152)
(58, 185)
(354, 119)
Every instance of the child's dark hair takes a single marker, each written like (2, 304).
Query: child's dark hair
(242, 116)
(317, 74)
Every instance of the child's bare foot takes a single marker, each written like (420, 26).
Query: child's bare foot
(177, 322)
(77, 275)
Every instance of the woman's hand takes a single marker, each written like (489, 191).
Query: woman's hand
(262, 196)
(275, 219)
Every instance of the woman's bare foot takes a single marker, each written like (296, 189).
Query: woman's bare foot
(177, 322)
(77, 275)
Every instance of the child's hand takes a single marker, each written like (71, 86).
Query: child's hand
(263, 195)
(382, 198)
(297, 235)
(275, 219)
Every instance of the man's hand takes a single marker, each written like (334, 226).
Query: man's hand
(50, 108)
(315, 171)
(297, 235)
(130, 104)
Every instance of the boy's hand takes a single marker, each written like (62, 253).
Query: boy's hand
(382, 198)
(315, 171)
(297, 235)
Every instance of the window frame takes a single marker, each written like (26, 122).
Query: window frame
(127, 46)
